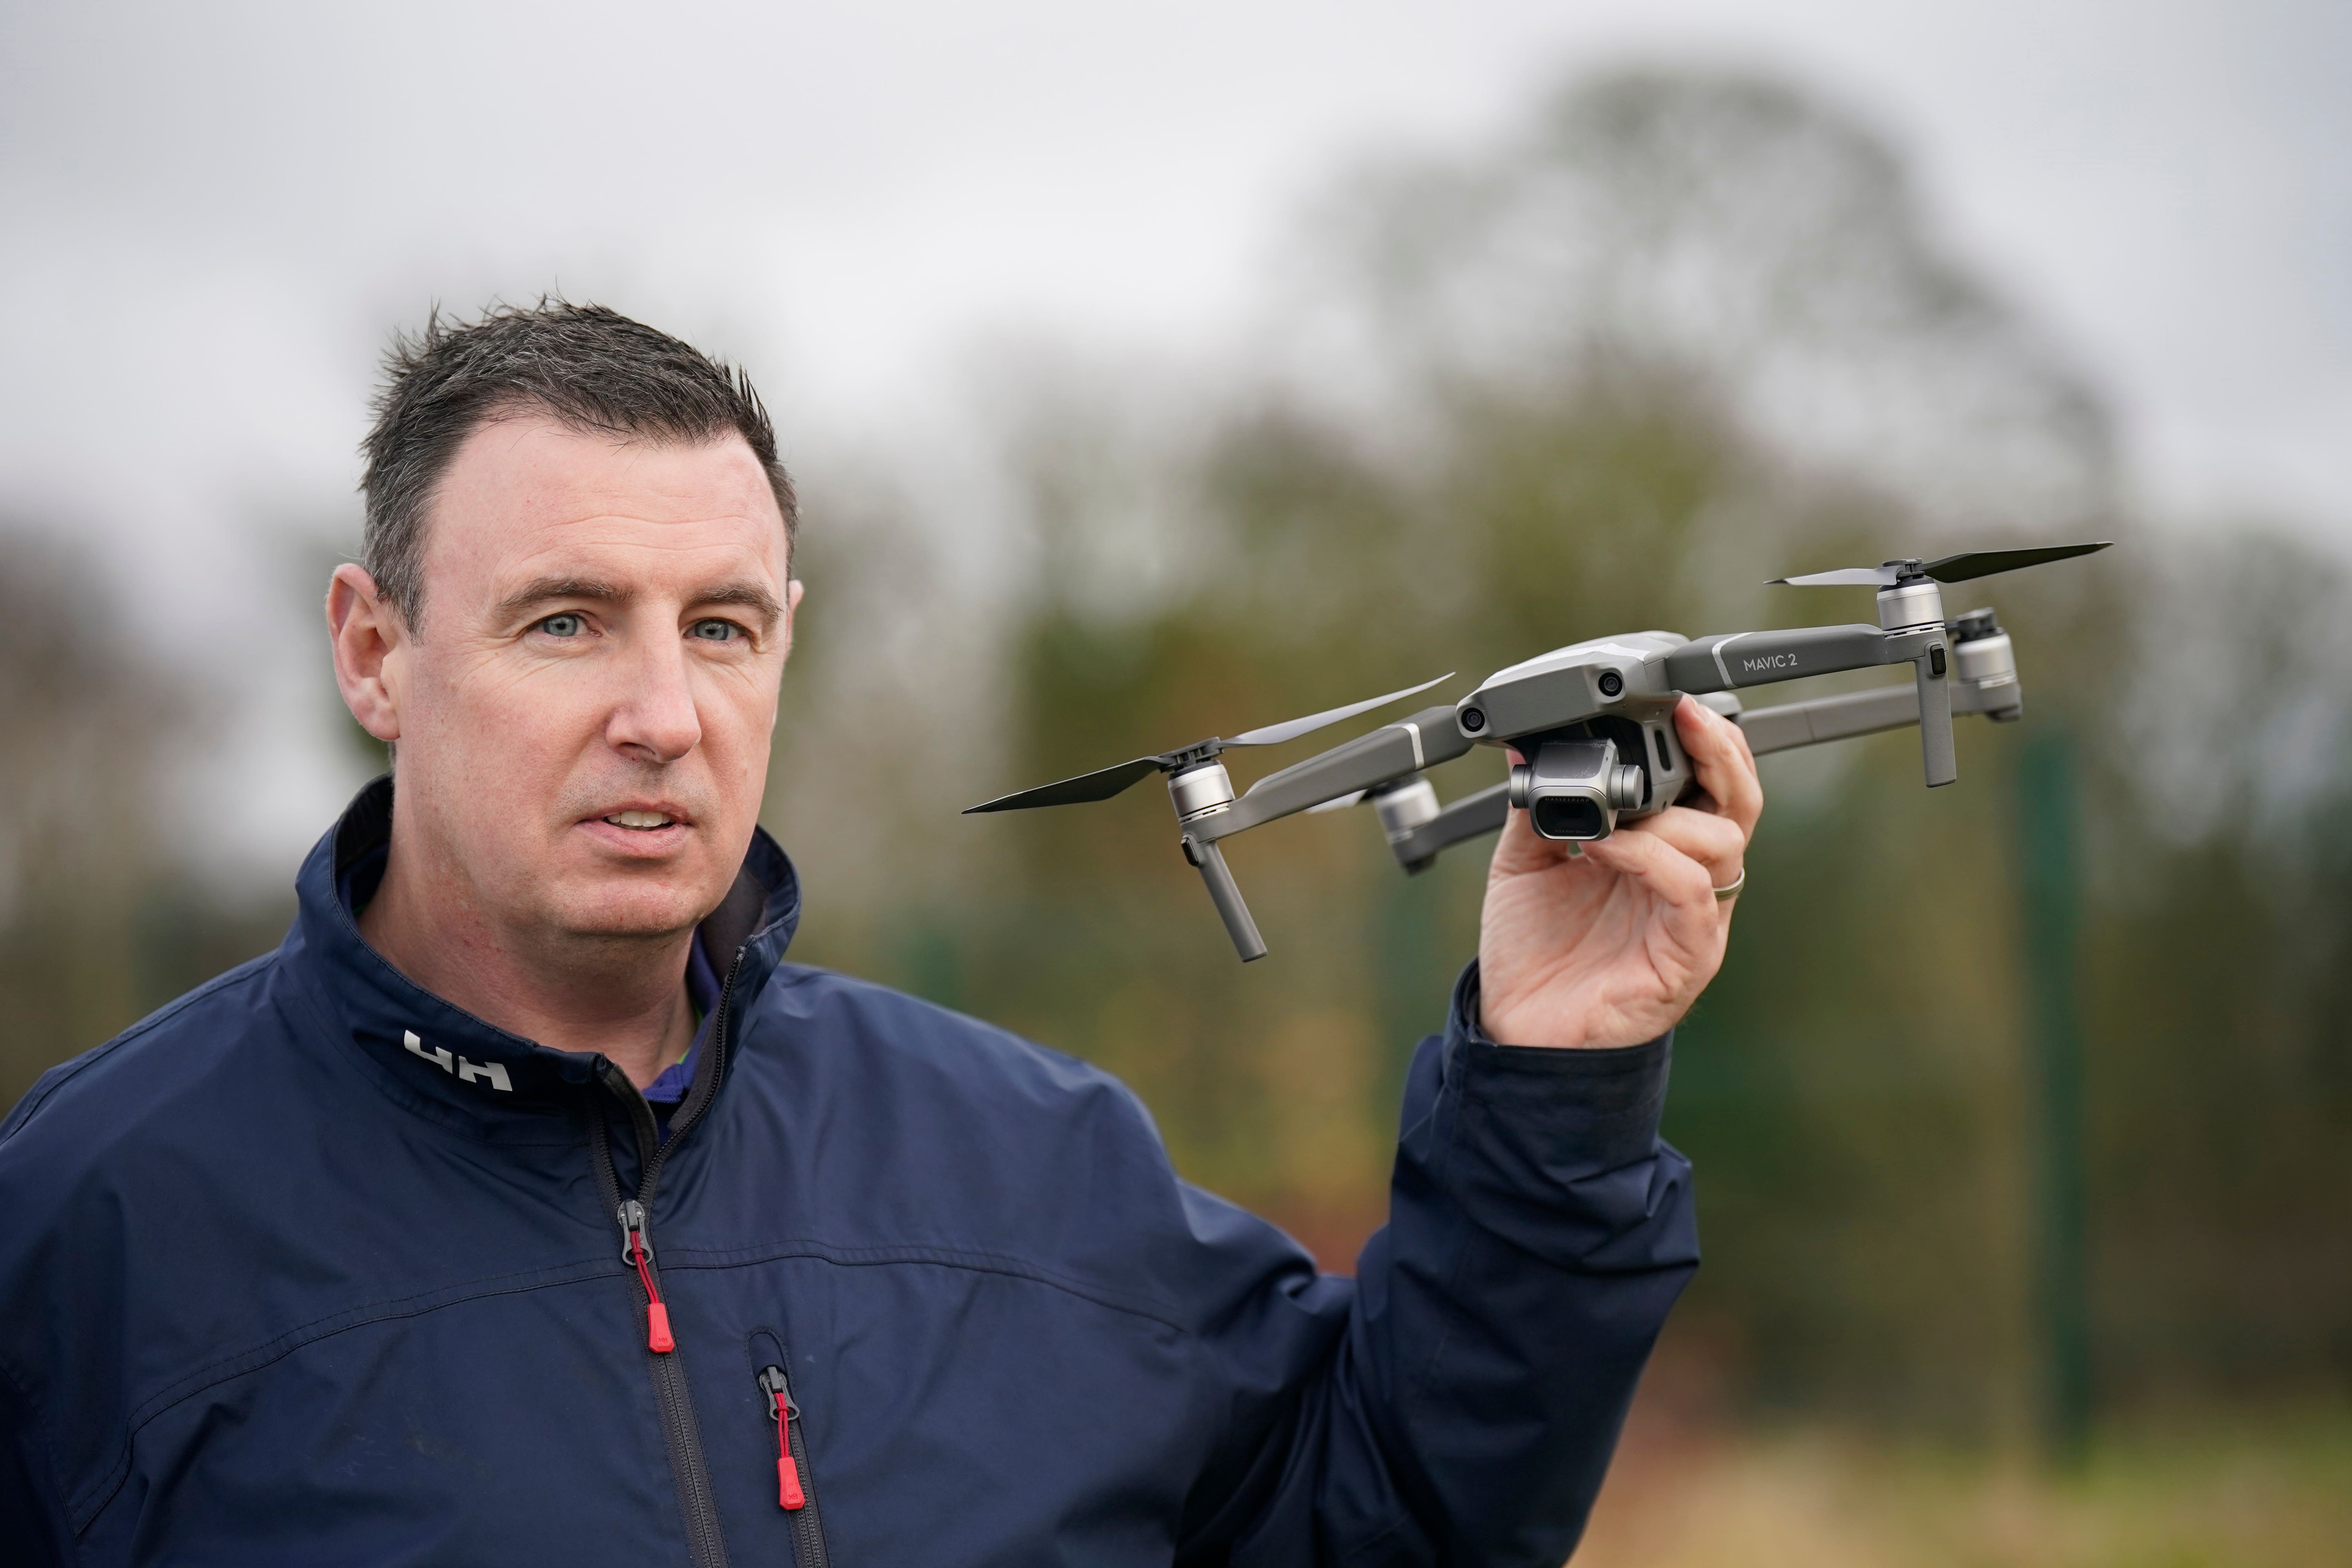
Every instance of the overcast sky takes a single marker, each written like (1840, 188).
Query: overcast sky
(210, 216)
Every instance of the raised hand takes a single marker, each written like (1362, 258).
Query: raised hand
(1611, 945)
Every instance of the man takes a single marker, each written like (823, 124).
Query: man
(526, 1207)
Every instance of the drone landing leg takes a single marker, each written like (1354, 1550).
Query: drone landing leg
(1938, 752)
(1226, 894)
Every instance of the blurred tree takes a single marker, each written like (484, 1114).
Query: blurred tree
(1739, 227)
(2220, 969)
(88, 724)
(1687, 332)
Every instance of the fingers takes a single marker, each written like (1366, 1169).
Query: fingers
(1522, 849)
(1694, 918)
(1714, 842)
(1643, 851)
(1725, 767)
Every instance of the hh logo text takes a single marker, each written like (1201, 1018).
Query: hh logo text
(490, 1073)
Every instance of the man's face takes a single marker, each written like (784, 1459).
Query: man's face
(583, 714)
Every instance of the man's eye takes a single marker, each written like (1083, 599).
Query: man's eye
(716, 630)
(566, 624)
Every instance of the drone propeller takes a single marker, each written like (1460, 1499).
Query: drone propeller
(1105, 782)
(1959, 568)
(1100, 785)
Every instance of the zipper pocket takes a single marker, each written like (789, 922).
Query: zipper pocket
(789, 1490)
(795, 1483)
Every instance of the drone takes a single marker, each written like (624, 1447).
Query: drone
(1590, 727)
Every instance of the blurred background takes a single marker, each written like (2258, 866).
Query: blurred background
(1154, 374)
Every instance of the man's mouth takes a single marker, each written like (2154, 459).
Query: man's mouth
(643, 821)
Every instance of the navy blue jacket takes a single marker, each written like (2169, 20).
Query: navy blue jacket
(313, 1268)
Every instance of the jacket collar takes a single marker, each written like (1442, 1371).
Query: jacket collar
(443, 1060)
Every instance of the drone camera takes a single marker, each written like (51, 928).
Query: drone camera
(1573, 790)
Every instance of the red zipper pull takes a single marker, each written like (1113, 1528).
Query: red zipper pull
(637, 1250)
(788, 1474)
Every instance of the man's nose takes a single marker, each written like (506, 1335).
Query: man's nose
(654, 719)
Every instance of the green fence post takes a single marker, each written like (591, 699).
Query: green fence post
(2050, 878)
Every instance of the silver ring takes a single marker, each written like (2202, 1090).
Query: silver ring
(1722, 894)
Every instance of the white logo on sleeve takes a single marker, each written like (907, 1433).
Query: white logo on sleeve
(469, 1072)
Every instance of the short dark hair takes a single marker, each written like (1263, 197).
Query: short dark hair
(592, 368)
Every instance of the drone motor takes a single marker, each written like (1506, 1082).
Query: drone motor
(1201, 790)
(1985, 659)
(1405, 806)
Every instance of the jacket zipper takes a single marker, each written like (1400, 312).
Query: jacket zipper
(639, 1253)
(796, 1482)
(681, 1432)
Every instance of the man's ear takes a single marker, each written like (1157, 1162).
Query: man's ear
(793, 592)
(370, 640)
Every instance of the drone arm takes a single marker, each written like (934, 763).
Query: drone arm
(1788, 725)
(1472, 817)
(1756, 658)
(1391, 752)
(1759, 659)
(1792, 724)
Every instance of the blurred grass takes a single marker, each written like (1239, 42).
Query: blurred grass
(2274, 1493)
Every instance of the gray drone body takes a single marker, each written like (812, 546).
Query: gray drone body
(1576, 711)
(1590, 727)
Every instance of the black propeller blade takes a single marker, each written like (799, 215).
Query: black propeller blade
(1962, 568)
(1105, 782)
(1985, 563)
(1100, 785)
